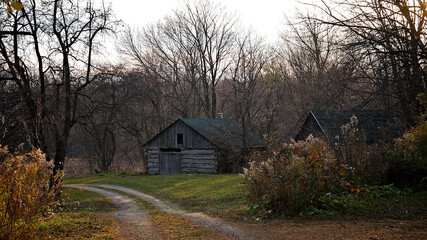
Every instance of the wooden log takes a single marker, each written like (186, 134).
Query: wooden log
(197, 162)
(198, 157)
(153, 154)
(199, 170)
(198, 166)
(201, 152)
(153, 170)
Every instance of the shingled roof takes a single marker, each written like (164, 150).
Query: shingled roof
(374, 123)
(225, 129)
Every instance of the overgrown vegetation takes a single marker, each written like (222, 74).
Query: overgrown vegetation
(25, 192)
(314, 177)
(408, 166)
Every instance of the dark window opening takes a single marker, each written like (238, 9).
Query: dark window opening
(180, 139)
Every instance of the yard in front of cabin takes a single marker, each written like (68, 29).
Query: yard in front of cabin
(223, 197)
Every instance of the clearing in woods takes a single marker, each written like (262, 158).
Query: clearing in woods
(221, 199)
(134, 222)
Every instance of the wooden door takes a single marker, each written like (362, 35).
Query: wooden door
(170, 163)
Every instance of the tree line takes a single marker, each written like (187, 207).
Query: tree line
(199, 62)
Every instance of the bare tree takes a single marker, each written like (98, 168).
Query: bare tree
(49, 58)
(105, 100)
(318, 68)
(190, 51)
(243, 92)
(388, 39)
(308, 71)
(144, 115)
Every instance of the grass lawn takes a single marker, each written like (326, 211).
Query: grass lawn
(214, 194)
(224, 195)
(83, 215)
(395, 216)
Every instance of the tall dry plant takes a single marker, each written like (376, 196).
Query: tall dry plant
(367, 159)
(25, 194)
(290, 179)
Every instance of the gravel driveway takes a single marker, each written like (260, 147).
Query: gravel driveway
(135, 225)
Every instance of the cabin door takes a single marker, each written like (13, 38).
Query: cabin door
(170, 162)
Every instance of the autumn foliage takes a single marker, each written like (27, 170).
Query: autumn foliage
(311, 176)
(25, 194)
(296, 176)
(409, 160)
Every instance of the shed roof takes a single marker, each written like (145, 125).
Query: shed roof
(225, 129)
(374, 123)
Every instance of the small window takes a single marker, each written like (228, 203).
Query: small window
(180, 139)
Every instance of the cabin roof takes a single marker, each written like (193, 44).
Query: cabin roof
(373, 122)
(225, 129)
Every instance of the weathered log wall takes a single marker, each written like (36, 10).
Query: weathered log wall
(153, 156)
(198, 160)
(191, 161)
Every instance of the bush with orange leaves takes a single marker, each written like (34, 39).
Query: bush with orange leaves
(295, 178)
(25, 193)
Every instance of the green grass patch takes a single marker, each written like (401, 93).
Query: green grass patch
(380, 202)
(83, 215)
(403, 204)
(224, 195)
(213, 194)
(80, 200)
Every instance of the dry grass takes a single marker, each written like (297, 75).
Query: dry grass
(74, 167)
(340, 229)
(84, 215)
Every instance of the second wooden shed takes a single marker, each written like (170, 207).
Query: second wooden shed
(377, 125)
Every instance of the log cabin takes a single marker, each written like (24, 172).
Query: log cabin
(191, 145)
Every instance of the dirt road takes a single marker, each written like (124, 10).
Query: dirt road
(132, 222)
(135, 225)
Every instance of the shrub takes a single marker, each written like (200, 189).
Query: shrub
(367, 160)
(24, 192)
(294, 178)
(409, 159)
(312, 176)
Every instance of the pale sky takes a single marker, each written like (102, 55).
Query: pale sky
(265, 16)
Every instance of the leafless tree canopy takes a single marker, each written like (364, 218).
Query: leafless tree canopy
(46, 54)
(199, 62)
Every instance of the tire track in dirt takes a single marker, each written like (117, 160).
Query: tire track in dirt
(199, 218)
(133, 223)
